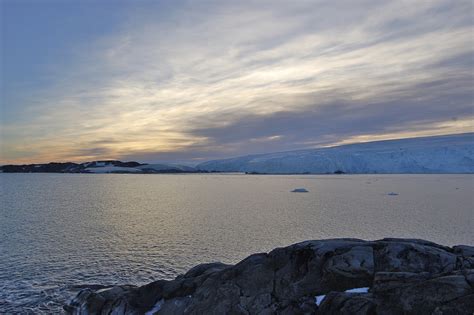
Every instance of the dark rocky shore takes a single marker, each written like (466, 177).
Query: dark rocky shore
(404, 276)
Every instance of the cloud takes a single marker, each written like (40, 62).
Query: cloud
(213, 79)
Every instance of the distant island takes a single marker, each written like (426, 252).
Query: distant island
(100, 167)
(425, 155)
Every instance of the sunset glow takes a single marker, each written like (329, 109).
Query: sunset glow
(201, 80)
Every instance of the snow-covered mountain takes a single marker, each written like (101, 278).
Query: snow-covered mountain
(438, 154)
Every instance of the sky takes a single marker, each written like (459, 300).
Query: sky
(189, 81)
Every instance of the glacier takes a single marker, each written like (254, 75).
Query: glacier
(424, 155)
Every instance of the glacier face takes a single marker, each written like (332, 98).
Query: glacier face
(438, 154)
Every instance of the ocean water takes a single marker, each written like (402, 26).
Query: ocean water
(63, 231)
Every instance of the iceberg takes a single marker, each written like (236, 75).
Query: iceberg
(299, 190)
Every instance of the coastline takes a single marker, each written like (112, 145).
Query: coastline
(311, 277)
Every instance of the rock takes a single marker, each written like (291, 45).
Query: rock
(88, 301)
(348, 303)
(463, 250)
(175, 305)
(462, 305)
(354, 268)
(386, 281)
(422, 294)
(412, 256)
(404, 276)
(426, 296)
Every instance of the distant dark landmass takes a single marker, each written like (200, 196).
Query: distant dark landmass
(107, 166)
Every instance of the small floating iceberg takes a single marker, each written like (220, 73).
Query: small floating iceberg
(299, 190)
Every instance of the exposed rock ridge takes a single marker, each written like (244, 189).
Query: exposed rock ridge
(405, 276)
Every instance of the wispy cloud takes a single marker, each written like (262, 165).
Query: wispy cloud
(214, 79)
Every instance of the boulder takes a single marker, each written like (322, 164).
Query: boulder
(403, 276)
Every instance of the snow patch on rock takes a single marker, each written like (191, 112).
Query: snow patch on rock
(358, 290)
(318, 299)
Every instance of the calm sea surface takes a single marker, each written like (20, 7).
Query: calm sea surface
(59, 231)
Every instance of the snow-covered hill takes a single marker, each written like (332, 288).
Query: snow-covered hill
(439, 154)
(108, 167)
(166, 167)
